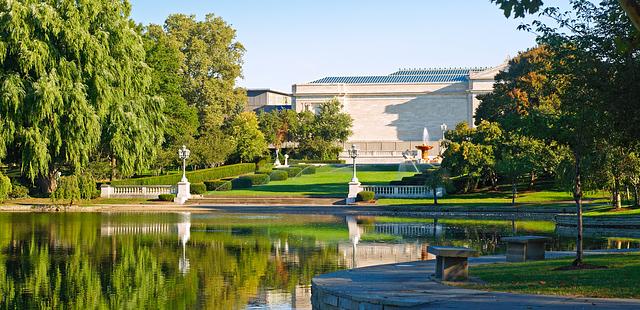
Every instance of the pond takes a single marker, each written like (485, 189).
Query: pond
(219, 260)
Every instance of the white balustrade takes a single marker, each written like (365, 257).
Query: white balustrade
(136, 191)
(403, 191)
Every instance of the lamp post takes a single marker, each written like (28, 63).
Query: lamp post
(184, 153)
(183, 193)
(353, 153)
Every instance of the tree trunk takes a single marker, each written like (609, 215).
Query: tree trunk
(435, 196)
(113, 168)
(532, 180)
(514, 192)
(49, 182)
(494, 181)
(616, 201)
(577, 196)
(632, 8)
(636, 199)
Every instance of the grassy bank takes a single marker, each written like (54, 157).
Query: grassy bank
(618, 281)
(328, 181)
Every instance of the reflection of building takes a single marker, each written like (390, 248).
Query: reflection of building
(267, 100)
(182, 229)
(390, 112)
(370, 254)
(299, 299)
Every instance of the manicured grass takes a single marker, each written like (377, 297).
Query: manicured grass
(541, 198)
(614, 212)
(328, 181)
(618, 281)
(531, 226)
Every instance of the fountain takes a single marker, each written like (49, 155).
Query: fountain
(424, 148)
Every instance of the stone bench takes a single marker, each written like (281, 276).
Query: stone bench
(525, 248)
(452, 262)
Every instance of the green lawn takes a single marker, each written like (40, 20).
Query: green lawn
(618, 281)
(613, 212)
(331, 181)
(549, 198)
(328, 181)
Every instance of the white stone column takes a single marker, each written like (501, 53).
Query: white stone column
(354, 189)
(106, 191)
(183, 192)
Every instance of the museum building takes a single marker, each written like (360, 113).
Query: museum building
(390, 112)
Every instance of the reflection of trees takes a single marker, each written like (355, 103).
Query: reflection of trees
(51, 261)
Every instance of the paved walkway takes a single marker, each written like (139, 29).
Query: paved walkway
(406, 286)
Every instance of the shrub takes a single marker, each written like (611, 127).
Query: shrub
(193, 176)
(308, 169)
(18, 191)
(319, 161)
(166, 197)
(264, 171)
(257, 179)
(278, 175)
(292, 171)
(366, 196)
(263, 164)
(218, 185)
(68, 188)
(239, 183)
(87, 186)
(5, 187)
(198, 188)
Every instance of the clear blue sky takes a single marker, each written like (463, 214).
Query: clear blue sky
(291, 41)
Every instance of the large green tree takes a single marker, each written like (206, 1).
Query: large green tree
(249, 140)
(470, 153)
(212, 64)
(318, 134)
(72, 79)
(164, 57)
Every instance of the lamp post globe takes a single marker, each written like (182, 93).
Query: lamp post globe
(353, 153)
(183, 153)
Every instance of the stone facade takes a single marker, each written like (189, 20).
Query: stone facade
(390, 112)
(265, 99)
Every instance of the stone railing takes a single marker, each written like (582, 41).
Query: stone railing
(403, 191)
(136, 191)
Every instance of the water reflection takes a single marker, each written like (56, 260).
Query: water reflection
(220, 261)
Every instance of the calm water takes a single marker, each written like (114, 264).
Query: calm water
(218, 261)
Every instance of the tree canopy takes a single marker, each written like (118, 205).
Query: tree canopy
(73, 78)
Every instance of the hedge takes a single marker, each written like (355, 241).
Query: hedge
(366, 196)
(18, 191)
(312, 161)
(166, 197)
(278, 175)
(257, 179)
(198, 188)
(218, 185)
(240, 183)
(193, 176)
(308, 169)
(292, 171)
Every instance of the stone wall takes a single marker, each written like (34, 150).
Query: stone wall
(396, 114)
(323, 299)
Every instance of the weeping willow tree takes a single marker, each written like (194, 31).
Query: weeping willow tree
(73, 81)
